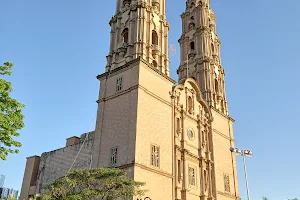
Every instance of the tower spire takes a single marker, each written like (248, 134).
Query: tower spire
(139, 29)
(200, 46)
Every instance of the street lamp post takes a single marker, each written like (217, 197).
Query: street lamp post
(244, 153)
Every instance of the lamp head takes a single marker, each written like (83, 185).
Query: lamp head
(235, 150)
(248, 153)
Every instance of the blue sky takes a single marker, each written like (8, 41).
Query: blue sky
(58, 48)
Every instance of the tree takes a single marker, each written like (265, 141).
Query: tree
(11, 197)
(35, 197)
(105, 183)
(11, 117)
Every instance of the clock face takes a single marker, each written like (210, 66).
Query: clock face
(190, 133)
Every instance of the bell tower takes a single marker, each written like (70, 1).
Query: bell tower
(201, 61)
(139, 29)
(134, 124)
(200, 53)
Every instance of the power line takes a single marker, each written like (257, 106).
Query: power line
(86, 137)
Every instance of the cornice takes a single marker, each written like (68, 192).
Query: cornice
(112, 72)
(130, 65)
(194, 156)
(223, 135)
(33, 157)
(229, 195)
(157, 171)
(154, 95)
(226, 116)
(131, 89)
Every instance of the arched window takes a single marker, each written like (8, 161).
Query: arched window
(154, 38)
(192, 45)
(192, 4)
(178, 125)
(205, 179)
(203, 138)
(212, 48)
(190, 104)
(179, 170)
(216, 85)
(191, 23)
(154, 64)
(125, 36)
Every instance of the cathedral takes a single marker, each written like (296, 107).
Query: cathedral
(174, 136)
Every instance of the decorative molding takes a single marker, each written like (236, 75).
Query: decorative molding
(229, 195)
(129, 65)
(154, 95)
(223, 135)
(226, 116)
(157, 171)
(131, 89)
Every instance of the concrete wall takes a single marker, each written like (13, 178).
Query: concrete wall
(55, 164)
(30, 177)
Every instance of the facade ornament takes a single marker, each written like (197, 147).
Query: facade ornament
(126, 3)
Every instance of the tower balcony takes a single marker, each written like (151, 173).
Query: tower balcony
(155, 49)
(192, 24)
(123, 49)
(192, 53)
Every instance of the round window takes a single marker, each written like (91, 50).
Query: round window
(190, 133)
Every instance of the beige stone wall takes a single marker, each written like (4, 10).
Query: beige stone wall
(193, 151)
(134, 118)
(55, 164)
(159, 185)
(154, 118)
(154, 127)
(117, 130)
(225, 161)
(116, 120)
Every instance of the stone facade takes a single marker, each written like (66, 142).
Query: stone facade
(175, 138)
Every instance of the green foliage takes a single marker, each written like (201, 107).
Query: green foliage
(11, 197)
(11, 117)
(36, 197)
(108, 183)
